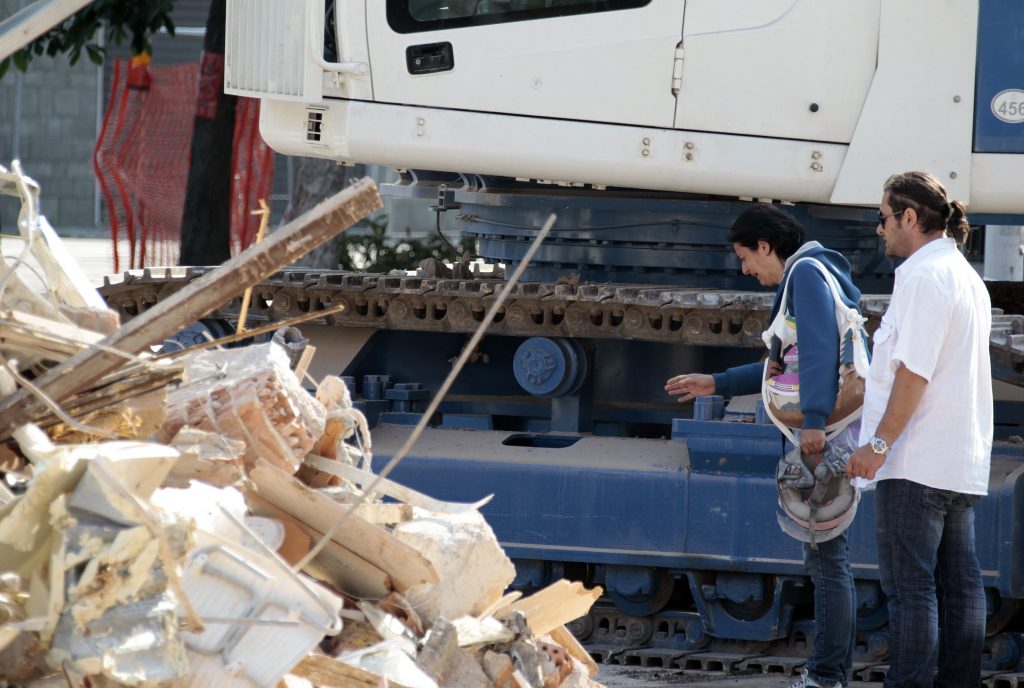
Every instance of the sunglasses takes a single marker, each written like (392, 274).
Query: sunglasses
(882, 218)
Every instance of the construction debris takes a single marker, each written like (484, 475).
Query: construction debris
(164, 521)
(249, 395)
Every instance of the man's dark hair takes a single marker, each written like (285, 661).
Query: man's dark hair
(926, 195)
(765, 222)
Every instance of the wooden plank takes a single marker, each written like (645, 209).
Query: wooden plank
(554, 606)
(335, 565)
(304, 361)
(326, 672)
(405, 565)
(33, 21)
(507, 599)
(201, 296)
(563, 637)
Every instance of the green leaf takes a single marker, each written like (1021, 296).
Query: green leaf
(5, 66)
(21, 59)
(74, 56)
(95, 53)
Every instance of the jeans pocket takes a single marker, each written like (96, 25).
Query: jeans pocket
(965, 501)
(938, 499)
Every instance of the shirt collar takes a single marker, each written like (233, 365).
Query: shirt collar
(941, 245)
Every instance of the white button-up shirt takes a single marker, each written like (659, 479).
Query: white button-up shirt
(937, 325)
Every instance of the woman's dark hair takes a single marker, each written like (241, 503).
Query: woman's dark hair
(925, 194)
(765, 222)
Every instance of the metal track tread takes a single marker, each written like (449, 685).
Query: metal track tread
(712, 662)
(693, 316)
(650, 657)
(781, 666)
(871, 672)
(998, 680)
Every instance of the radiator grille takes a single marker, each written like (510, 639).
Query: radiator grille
(267, 51)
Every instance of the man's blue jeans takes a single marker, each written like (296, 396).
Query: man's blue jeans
(926, 536)
(834, 610)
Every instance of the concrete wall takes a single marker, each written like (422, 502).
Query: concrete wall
(48, 120)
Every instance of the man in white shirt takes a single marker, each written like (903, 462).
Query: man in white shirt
(926, 437)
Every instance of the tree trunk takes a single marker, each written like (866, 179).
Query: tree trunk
(206, 222)
(315, 180)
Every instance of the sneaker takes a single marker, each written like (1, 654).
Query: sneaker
(805, 681)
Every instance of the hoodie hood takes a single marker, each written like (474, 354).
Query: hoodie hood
(836, 263)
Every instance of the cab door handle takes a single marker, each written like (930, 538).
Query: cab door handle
(428, 58)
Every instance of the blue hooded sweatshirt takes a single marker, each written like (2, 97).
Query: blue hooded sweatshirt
(810, 303)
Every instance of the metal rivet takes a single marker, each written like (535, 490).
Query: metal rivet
(816, 155)
(956, 99)
(814, 107)
(647, 141)
(536, 83)
(952, 175)
(645, 152)
(816, 166)
(419, 132)
(688, 145)
(420, 120)
(689, 156)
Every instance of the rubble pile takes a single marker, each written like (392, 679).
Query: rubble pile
(202, 519)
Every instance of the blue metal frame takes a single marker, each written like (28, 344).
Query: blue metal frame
(1000, 66)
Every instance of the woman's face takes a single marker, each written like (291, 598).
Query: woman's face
(761, 262)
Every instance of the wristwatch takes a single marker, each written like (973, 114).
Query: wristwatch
(879, 446)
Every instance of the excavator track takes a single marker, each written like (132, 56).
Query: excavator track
(688, 316)
(675, 640)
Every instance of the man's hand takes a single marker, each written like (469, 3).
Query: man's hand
(864, 463)
(812, 442)
(690, 386)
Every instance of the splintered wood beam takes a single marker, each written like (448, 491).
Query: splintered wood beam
(256, 263)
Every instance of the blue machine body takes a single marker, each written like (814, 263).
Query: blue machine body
(1000, 69)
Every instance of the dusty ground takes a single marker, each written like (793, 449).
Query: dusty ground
(615, 676)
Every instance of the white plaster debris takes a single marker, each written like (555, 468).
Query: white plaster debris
(144, 564)
(473, 568)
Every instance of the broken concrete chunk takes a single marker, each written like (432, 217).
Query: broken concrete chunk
(447, 663)
(499, 669)
(206, 457)
(472, 566)
(251, 395)
(579, 678)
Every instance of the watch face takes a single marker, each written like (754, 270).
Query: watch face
(878, 445)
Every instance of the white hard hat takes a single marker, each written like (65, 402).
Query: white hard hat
(818, 502)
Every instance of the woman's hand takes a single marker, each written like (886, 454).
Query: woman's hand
(690, 386)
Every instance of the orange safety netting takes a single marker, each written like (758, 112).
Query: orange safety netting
(142, 158)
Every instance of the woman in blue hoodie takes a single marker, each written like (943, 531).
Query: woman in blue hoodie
(768, 241)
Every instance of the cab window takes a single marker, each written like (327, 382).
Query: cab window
(411, 16)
